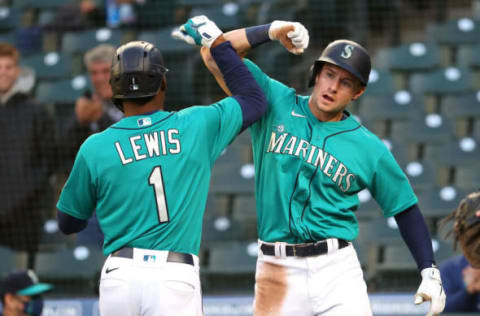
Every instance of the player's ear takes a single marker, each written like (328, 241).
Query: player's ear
(360, 91)
(163, 87)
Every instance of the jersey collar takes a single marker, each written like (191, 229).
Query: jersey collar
(142, 121)
(347, 123)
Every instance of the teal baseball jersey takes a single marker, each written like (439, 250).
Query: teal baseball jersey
(308, 172)
(148, 176)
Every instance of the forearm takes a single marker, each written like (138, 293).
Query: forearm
(241, 83)
(246, 38)
(69, 224)
(415, 233)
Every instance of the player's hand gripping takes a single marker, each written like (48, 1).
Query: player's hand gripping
(431, 290)
(198, 30)
(292, 35)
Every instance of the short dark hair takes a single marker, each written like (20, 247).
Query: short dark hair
(8, 50)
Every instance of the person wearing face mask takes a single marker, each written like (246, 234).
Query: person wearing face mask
(21, 294)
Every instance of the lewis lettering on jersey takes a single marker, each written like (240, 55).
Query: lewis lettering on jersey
(149, 145)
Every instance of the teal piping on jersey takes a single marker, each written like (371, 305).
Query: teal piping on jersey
(314, 174)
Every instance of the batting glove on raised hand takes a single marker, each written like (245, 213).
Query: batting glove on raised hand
(198, 30)
(431, 290)
(293, 35)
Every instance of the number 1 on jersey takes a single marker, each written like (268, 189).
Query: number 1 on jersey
(156, 180)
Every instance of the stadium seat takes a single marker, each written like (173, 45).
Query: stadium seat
(232, 257)
(464, 152)
(275, 61)
(462, 109)
(80, 263)
(438, 202)
(80, 42)
(368, 207)
(467, 177)
(50, 66)
(164, 41)
(226, 16)
(442, 81)
(245, 211)
(9, 18)
(44, 4)
(401, 105)
(409, 57)
(468, 56)
(455, 32)
(233, 180)
(421, 174)
(63, 91)
(432, 128)
(52, 239)
(217, 229)
(11, 260)
(380, 82)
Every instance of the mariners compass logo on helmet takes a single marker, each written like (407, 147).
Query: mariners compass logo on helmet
(347, 51)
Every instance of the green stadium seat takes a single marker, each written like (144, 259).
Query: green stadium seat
(432, 128)
(380, 82)
(80, 42)
(401, 105)
(217, 229)
(443, 81)
(439, 202)
(63, 91)
(80, 263)
(11, 260)
(232, 257)
(461, 106)
(455, 32)
(52, 239)
(464, 152)
(421, 174)
(468, 56)
(275, 61)
(368, 207)
(44, 4)
(245, 211)
(8, 37)
(235, 156)
(9, 19)
(409, 57)
(233, 180)
(50, 66)
(162, 39)
(467, 177)
(226, 16)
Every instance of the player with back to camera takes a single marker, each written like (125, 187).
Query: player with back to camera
(147, 177)
(311, 159)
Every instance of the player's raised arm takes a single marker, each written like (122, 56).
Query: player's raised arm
(237, 78)
(292, 35)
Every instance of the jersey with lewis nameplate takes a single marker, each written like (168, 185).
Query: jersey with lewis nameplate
(155, 170)
(308, 172)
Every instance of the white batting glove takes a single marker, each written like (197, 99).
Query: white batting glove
(298, 36)
(431, 290)
(198, 30)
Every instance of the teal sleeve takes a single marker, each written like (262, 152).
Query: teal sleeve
(390, 186)
(223, 121)
(78, 196)
(280, 97)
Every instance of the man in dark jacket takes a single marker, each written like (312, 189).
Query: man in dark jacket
(27, 145)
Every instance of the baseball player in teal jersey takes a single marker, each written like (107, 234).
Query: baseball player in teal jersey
(311, 159)
(147, 177)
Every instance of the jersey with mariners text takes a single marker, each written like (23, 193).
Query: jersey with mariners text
(308, 172)
(148, 176)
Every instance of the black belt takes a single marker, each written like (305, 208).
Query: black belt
(303, 250)
(178, 257)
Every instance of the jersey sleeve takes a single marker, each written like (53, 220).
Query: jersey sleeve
(390, 186)
(78, 195)
(280, 97)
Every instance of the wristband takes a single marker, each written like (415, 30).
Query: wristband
(257, 35)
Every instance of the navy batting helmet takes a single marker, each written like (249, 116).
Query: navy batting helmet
(347, 55)
(137, 71)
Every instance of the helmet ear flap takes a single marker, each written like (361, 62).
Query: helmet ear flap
(314, 69)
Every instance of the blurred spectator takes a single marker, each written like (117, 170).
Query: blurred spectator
(462, 285)
(94, 112)
(27, 152)
(143, 14)
(78, 16)
(21, 294)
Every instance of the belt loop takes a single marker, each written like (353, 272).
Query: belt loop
(280, 249)
(332, 244)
